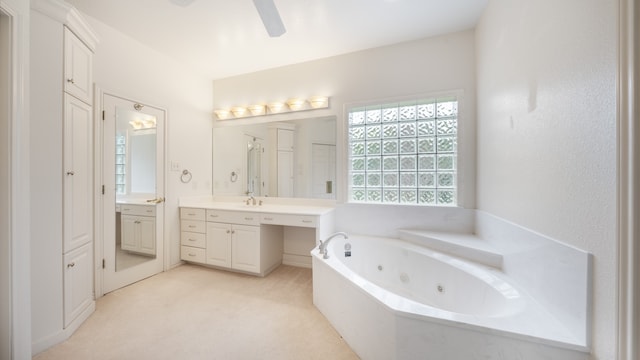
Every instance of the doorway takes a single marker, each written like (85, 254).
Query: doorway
(132, 203)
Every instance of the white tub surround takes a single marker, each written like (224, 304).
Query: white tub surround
(503, 291)
(237, 234)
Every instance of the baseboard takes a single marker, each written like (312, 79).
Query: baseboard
(297, 260)
(62, 335)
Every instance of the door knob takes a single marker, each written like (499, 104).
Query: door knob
(157, 200)
(70, 172)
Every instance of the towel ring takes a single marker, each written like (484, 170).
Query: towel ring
(186, 176)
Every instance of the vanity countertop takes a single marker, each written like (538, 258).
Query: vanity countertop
(271, 208)
(131, 201)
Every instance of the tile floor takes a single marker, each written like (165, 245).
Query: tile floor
(193, 312)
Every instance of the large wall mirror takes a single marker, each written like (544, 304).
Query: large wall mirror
(294, 158)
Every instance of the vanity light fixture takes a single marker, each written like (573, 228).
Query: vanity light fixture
(143, 124)
(222, 113)
(257, 110)
(136, 124)
(318, 102)
(275, 107)
(296, 104)
(239, 111)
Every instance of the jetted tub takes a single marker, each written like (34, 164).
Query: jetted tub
(391, 299)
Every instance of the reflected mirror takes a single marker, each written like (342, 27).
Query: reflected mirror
(294, 158)
(135, 162)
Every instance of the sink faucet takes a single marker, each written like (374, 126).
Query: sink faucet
(251, 200)
(323, 244)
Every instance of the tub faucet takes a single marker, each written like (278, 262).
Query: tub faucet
(323, 244)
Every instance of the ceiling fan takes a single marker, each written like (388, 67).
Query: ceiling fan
(267, 11)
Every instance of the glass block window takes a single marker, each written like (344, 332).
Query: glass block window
(404, 153)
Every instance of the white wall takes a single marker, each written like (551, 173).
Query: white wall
(126, 67)
(546, 131)
(425, 66)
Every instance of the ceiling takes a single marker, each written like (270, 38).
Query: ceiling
(222, 38)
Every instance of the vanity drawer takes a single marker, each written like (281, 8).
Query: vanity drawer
(193, 239)
(188, 253)
(192, 214)
(289, 220)
(193, 226)
(233, 217)
(140, 210)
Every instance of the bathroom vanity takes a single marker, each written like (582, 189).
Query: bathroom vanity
(237, 235)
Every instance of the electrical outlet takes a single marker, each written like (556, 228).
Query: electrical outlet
(175, 166)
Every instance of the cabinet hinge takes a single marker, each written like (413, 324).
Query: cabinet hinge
(102, 189)
(103, 114)
(104, 264)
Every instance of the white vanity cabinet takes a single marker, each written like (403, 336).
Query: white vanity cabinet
(233, 246)
(138, 229)
(229, 239)
(192, 235)
(252, 239)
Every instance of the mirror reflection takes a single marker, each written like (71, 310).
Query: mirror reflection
(135, 184)
(286, 159)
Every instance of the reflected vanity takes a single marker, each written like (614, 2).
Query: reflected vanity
(135, 185)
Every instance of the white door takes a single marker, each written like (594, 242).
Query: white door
(78, 173)
(132, 173)
(323, 171)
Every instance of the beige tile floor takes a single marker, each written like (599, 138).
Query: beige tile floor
(193, 312)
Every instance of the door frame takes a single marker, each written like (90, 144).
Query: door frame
(99, 254)
(18, 204)
(628, 209)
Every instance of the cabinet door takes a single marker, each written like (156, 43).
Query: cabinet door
(78, 174)
(129, 238)
(78, 282)
(285, 173)
(147, 226)
(218, 244)
(246, 248)
(285, 140)
(78, 71)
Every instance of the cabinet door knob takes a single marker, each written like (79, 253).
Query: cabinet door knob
(70, 172)
(71, 81)
(70, 265)
(228, 231)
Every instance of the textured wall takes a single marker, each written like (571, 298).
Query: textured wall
(546, 130)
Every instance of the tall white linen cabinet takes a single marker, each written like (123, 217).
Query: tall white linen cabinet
(62, 180)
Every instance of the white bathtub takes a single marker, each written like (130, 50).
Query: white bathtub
(396, 300)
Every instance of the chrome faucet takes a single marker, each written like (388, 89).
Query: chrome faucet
(251, 200)
(323, 244)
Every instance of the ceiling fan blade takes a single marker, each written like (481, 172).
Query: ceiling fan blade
(270, 17)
